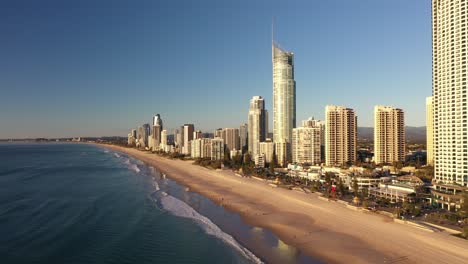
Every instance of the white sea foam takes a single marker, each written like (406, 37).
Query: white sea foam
(117, 155)
(156, 185)
(134, 167)
(181, 209)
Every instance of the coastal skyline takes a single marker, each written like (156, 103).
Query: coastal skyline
(101, 75)
(342, 140)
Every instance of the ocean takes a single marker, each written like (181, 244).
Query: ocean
(79, 203)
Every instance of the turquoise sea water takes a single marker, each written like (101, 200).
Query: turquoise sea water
(77, 203)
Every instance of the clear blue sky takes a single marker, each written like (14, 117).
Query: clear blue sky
(93, 68)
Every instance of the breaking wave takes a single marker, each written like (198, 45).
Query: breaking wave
(131, 166)
(134, 167)
(181, 209)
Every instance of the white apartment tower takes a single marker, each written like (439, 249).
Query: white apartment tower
(257, 124)
(449, 91)
(306, 143)
(164, 140)
(429, 132)
(389, 134)
(284, 96)
(188, 136)
(340, 135)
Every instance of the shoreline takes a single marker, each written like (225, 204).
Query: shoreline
(325, 231)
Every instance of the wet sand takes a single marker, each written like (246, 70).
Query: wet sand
(321, 229)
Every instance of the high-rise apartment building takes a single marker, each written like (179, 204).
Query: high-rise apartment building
(306, 143)
(389, 134)
(340, 135)
(217, 148)
(164, 140)
(188, 136)
(156, 133)
(231, 138)
(449, 95)
(177, 137)
(284, 95)
(243, 136)
(429, 132)
(257, 124)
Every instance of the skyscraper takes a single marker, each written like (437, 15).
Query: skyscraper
(164, 140)
(243, 136)
(284, 95)
(340, 135)
(157, 128)
(147, 132)
(188, 136)
(449, 91)
(389, 134)
(429, 131)
(257, 124)
(177, 138)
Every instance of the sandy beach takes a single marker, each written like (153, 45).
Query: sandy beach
(321, 229)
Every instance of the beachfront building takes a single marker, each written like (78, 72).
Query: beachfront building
(429, 131)
(257, 124)
(449, 95)
(306, 143)
(156, 132)
(142, 136)
(231, 138)
(389, 134)
(312, 122)
(132, 137)
(164, 140)
(340, 135)
(243, 137)
(259, 161)
(177, 138)
(217, 148)
(206, 148)
(267, 149)
(282, 149)
(198, 148)
(284, 99)
(399, 189)
(188, 136)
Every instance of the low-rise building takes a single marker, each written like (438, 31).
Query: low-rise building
(259, 160)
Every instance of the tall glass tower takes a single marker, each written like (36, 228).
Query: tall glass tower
(284, 95)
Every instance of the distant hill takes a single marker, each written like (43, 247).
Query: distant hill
(413, 134)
